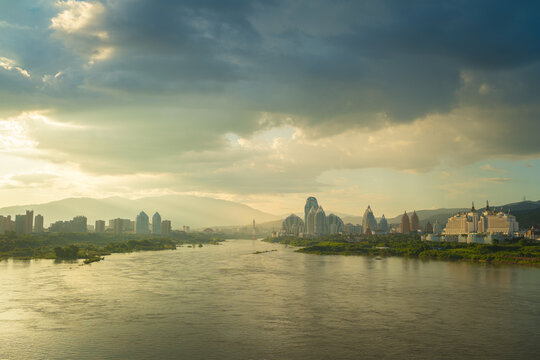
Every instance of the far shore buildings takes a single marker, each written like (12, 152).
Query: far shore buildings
(38, 224)
(316, 222)
(488, 222)
(405, 225)
(100, 226)
(6, 224)
(142, 223)
(369, 223)
(166, 227)
(156, 224)
(383, 225)
(476, 227)
(121, 226)
(77, 225)
(415, 222)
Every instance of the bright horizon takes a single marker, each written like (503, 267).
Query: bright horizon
(266, 104)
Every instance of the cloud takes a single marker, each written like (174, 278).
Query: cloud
(76, 16)
(248, 97)
(5, 24)
(9, 64)
(488, 167)
(496, 179)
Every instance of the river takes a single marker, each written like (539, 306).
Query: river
(224, 302)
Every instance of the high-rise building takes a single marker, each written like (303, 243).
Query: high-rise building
(166, 227)
(185, 228)
(353, 229)
(156, 224)
(429, 228)
(78, 224)
(292, 225)
(20, 224)
(5, 224)
(142, 223)
(334, 224)
(383, 225)
(311, 203)
(369, 220)
(310, 223)
(120, 226)
(100, 226)
(405, 226)
(415, 222)
(320, 222)
(29, 222)
(38, 226)
(437, 228)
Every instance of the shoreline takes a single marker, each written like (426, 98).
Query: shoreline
(511, 252)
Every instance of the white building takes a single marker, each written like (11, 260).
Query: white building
(487, 222)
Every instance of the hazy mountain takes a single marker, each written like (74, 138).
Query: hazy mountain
(180, 209)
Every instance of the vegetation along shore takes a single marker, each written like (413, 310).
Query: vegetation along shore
(511, 251)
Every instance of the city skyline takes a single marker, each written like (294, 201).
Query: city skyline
(236, 110)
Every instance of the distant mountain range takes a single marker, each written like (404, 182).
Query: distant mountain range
(193, 211)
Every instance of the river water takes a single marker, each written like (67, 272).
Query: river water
(224, 302)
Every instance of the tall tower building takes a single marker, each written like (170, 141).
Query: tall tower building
(415, 222)
(320, 222)
(405, 224)
(310, 221)
(29, 222)
(20, 224)
(437, 228)
(383, 225)
(100, 226)
(38, 226)
(142, 223)
(311, 203)
(156, 224)
(166, 227)
(369, 220)
(429, 228)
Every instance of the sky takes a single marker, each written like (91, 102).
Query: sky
(396, 104)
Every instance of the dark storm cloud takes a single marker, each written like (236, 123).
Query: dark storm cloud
(160, 77)
(399, 58)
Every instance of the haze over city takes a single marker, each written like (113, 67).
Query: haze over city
(395, 104)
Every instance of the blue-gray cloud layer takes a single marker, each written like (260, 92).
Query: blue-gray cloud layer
(182, 74)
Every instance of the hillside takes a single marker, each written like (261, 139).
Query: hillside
(180, 209)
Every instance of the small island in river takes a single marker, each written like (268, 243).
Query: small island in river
(510, 251)
(92, 246)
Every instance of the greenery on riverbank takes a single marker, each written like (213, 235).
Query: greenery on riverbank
(518, 251)
(65, 246)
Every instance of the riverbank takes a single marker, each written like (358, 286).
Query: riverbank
(518, 252)
(72, 246)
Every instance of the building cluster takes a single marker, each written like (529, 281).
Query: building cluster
(477, 226)
(157, 227)
(317, 223)
(27, 224)
(473, 226)
(77, 225)
(23, 224)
